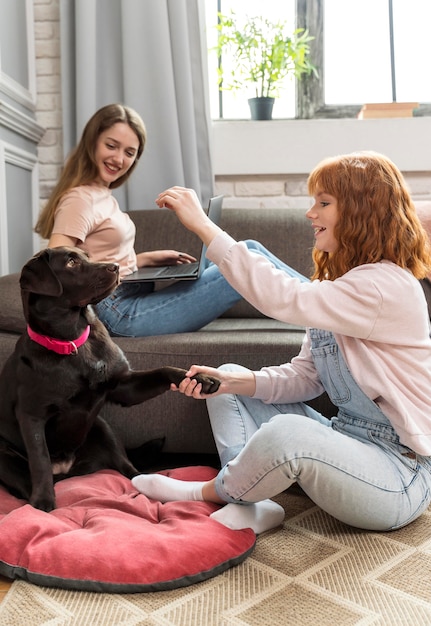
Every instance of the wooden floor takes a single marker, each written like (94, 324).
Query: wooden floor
(5, 583)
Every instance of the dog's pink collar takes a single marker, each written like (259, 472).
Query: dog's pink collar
(56, 345)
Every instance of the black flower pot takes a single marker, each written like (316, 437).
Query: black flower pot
(261, 108)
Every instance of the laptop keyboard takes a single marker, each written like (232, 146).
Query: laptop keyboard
(179, 270)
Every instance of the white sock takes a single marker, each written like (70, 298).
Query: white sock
(166, 489)
(259, 516)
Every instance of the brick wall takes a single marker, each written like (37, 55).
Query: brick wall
(290, 190)
(265, 191)
(48, 109)
(239, 191)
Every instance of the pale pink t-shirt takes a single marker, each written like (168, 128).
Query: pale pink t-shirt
(91, 214)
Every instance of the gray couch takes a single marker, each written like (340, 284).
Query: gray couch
(242, 335)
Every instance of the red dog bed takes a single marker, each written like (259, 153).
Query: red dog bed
(105, 536)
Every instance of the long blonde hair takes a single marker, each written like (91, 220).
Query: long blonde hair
(376, 216)
(80, 167)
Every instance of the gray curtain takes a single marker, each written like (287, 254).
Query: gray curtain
(150, 55)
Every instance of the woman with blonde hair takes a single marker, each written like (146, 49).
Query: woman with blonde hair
(83, 212)
(367, 344)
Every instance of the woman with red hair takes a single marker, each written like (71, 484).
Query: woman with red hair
(367, 344)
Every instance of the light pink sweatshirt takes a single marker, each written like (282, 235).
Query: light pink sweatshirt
(378, 315)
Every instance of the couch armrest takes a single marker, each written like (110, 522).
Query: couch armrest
(11, 313)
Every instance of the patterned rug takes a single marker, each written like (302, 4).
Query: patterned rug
(312, 571)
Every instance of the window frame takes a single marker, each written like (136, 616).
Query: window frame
(310, 92)
(310, 95)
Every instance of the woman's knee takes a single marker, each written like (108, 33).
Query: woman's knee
(290, 435)
(224, 400)
(252, 244)
(272, 438)
(232, 367)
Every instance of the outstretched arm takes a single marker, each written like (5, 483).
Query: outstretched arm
(138, 386)
(185, 204)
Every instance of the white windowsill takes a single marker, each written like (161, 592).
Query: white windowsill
(247, 147)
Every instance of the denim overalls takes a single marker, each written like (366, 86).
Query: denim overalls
(352, 466)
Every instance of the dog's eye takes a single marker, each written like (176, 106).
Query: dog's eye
(72, 262)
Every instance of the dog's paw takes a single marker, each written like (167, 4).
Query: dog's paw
(43, 503)
(209, 385)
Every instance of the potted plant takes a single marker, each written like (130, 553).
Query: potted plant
(261, 53)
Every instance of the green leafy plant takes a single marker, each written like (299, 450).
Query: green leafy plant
(261, 53)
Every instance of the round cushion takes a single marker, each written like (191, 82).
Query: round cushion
(105, 536)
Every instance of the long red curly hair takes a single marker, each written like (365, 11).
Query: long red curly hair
(376, 216)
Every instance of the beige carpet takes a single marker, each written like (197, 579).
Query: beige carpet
(313, 571)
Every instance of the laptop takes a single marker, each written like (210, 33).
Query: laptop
(185, 271)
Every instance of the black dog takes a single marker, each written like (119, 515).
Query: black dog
(63, 369)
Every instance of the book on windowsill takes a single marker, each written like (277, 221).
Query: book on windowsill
(387, 109)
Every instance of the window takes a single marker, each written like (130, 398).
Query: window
(359, 56)
(233, 104)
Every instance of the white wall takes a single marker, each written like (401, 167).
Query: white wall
(266, 163)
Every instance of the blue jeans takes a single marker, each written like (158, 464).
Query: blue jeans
(353, 466)
(136, 310)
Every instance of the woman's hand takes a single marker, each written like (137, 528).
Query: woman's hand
(157, 258)
(241, 383)
(191, 388)
(185, 203)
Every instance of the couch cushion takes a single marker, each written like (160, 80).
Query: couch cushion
(105, 536)
(11, 315)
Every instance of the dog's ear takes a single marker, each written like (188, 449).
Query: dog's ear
(38, 277)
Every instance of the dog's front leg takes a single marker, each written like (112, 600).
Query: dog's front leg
(39, 462)
(139, 386)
